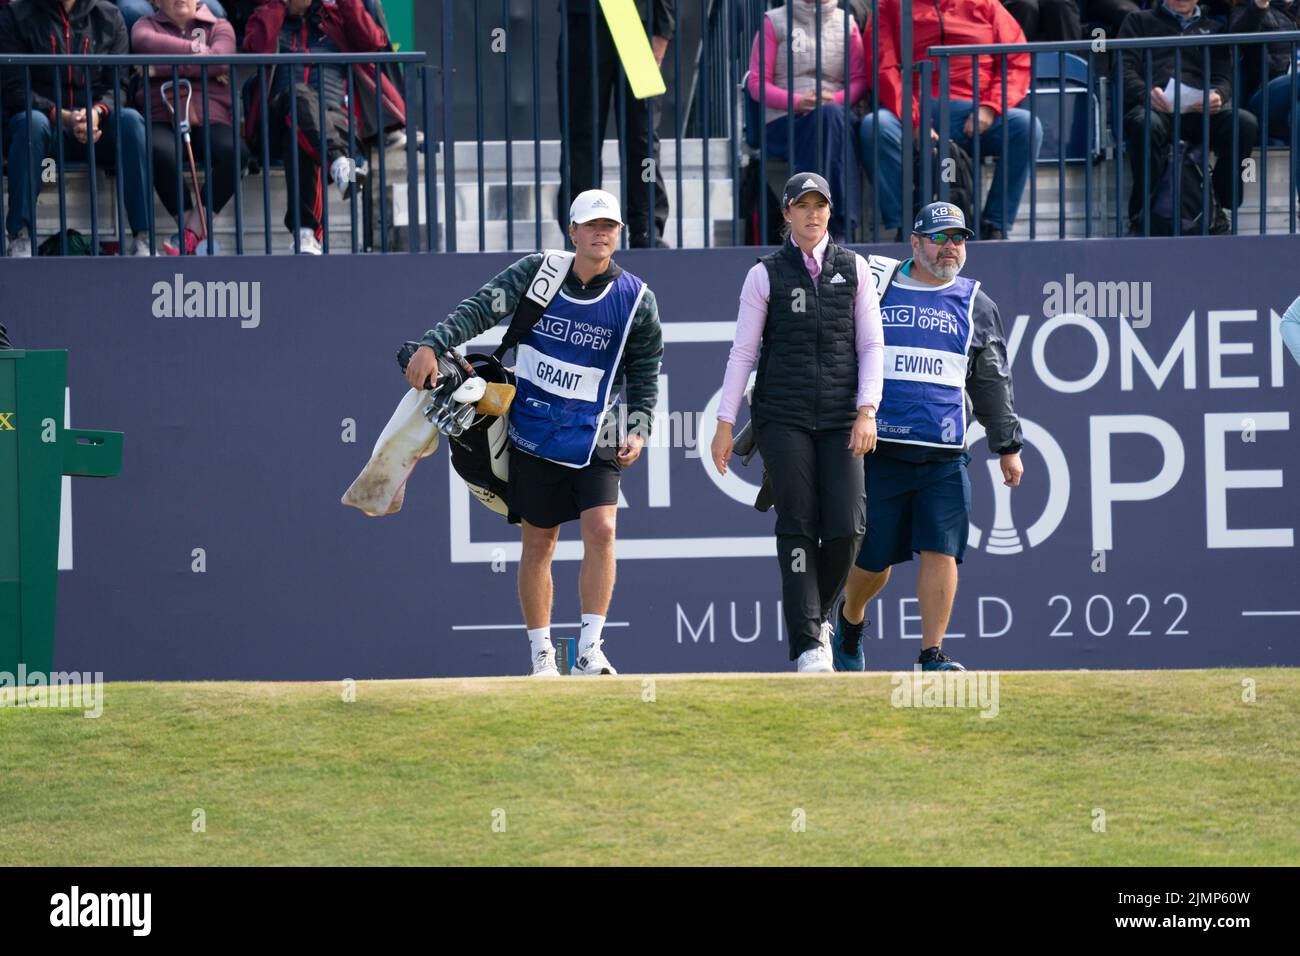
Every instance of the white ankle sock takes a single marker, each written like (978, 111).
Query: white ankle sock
(539, 638)
(592, 624)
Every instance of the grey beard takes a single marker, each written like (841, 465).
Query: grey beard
(944, 270)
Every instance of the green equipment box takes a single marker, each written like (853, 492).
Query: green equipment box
(36, 451)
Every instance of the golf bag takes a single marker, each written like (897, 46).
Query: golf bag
(481, 452)
(479, 438)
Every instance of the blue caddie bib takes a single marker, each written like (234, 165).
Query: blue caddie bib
(927, 337)
(564, 370)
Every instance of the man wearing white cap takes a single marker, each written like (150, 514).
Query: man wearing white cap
(598, 337)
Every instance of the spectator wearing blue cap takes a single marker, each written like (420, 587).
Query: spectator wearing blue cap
(945, 357)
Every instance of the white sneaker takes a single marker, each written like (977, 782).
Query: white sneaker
(346, 173)
(308, 244)
(593, 662)
(817, 659)
(140, 244)
(20, 246)
(544, 663)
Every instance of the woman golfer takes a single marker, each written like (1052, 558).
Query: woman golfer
(809, 318)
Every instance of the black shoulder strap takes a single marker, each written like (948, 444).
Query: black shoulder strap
(543, 288)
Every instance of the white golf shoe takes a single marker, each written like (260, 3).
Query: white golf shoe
(593, 662)
(20, 246)
(544, 663)
(817, 659)
(308, 244)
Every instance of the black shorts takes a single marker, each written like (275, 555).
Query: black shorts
(546, 494)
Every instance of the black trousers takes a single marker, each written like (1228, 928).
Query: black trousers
(312, 174)
(1047, 20)
(228, 157)
(818, 492)
(580, 167)
(1226, 166)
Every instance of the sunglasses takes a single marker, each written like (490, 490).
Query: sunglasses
(942, 238)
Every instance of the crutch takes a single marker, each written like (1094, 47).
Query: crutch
(183, 119)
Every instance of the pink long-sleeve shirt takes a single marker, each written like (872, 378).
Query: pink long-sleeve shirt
(158, 35)
(778, 98)
(868, 336)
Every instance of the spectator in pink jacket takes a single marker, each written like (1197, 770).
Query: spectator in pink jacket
(790, 36)
(188, 28)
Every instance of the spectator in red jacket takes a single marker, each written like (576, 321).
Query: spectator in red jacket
(314, 26)
(189, 28)
(953, 22)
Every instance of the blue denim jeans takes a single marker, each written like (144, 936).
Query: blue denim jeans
(836, 127)
(1022, 151)
(1278, 92)
(26, 166)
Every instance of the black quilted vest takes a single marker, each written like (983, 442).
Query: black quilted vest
(808, 367)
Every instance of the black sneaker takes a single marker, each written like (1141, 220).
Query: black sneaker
(846, 646)
(933, 659)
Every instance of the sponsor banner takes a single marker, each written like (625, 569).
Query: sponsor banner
(1155, 526)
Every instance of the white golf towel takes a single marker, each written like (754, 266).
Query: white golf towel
(408, 437)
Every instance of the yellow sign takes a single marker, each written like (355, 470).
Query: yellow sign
(633, 48)
(6, 424)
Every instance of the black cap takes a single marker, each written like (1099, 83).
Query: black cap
(801, 183)
(939, 216)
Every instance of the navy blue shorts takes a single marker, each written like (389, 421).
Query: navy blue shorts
(914, 507)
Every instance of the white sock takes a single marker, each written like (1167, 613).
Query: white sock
(591, 628)
(540, 639)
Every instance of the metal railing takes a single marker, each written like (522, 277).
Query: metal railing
(709, 56)
(255, 71)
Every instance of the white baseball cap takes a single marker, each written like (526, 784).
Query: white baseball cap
(594, 204)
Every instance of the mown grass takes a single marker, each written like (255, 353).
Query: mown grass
(712, 770)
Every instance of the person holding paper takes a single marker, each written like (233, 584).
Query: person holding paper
(1176, 18)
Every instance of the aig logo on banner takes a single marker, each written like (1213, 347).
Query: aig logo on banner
(898, 316)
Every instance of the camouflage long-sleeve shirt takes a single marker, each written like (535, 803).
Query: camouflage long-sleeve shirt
(638, 371)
